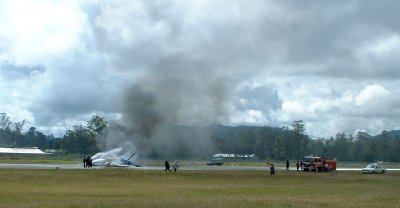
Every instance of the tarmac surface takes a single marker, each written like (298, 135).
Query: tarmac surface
(192, 168)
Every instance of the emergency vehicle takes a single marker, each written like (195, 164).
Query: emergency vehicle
(320, 164)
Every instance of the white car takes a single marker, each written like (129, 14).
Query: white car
(374, 168)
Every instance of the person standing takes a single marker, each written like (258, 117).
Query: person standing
(272, 168)
(88, 161)
(167, 166)
(175, 166)
(287, 164)
(297, 165)
(84, 162)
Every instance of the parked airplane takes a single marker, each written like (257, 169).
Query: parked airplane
(112, 159)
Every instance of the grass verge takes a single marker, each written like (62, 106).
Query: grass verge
(150, 188)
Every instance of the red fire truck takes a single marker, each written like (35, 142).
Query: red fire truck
(320, 164)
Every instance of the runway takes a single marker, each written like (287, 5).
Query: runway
(190, 168)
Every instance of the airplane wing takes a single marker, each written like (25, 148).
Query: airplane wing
(122, 166)
(116, 165)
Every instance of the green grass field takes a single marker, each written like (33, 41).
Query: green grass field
(145, 188)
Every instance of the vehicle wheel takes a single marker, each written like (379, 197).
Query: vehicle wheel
(330, 169)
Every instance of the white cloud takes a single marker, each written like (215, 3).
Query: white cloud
(371, 94)
(38, 31)
(383, 46)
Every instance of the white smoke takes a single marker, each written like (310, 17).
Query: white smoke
(107, 155)
(114, 156)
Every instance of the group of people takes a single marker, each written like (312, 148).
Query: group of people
(87, 161)
(175, 166)
(298, 166)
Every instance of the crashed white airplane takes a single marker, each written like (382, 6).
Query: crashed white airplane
(112, 159)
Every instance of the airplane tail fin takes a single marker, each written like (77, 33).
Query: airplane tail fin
(131, 156)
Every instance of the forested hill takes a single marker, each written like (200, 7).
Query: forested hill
(390, 134)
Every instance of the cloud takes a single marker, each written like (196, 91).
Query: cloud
(333, 65)
(371, 94)
(334, 109)
(11, 72)
(40, 31)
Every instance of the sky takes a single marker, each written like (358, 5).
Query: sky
(333, 64)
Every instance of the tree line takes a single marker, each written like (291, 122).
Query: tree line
(268, 143)
(80, 139)
(291, 142)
